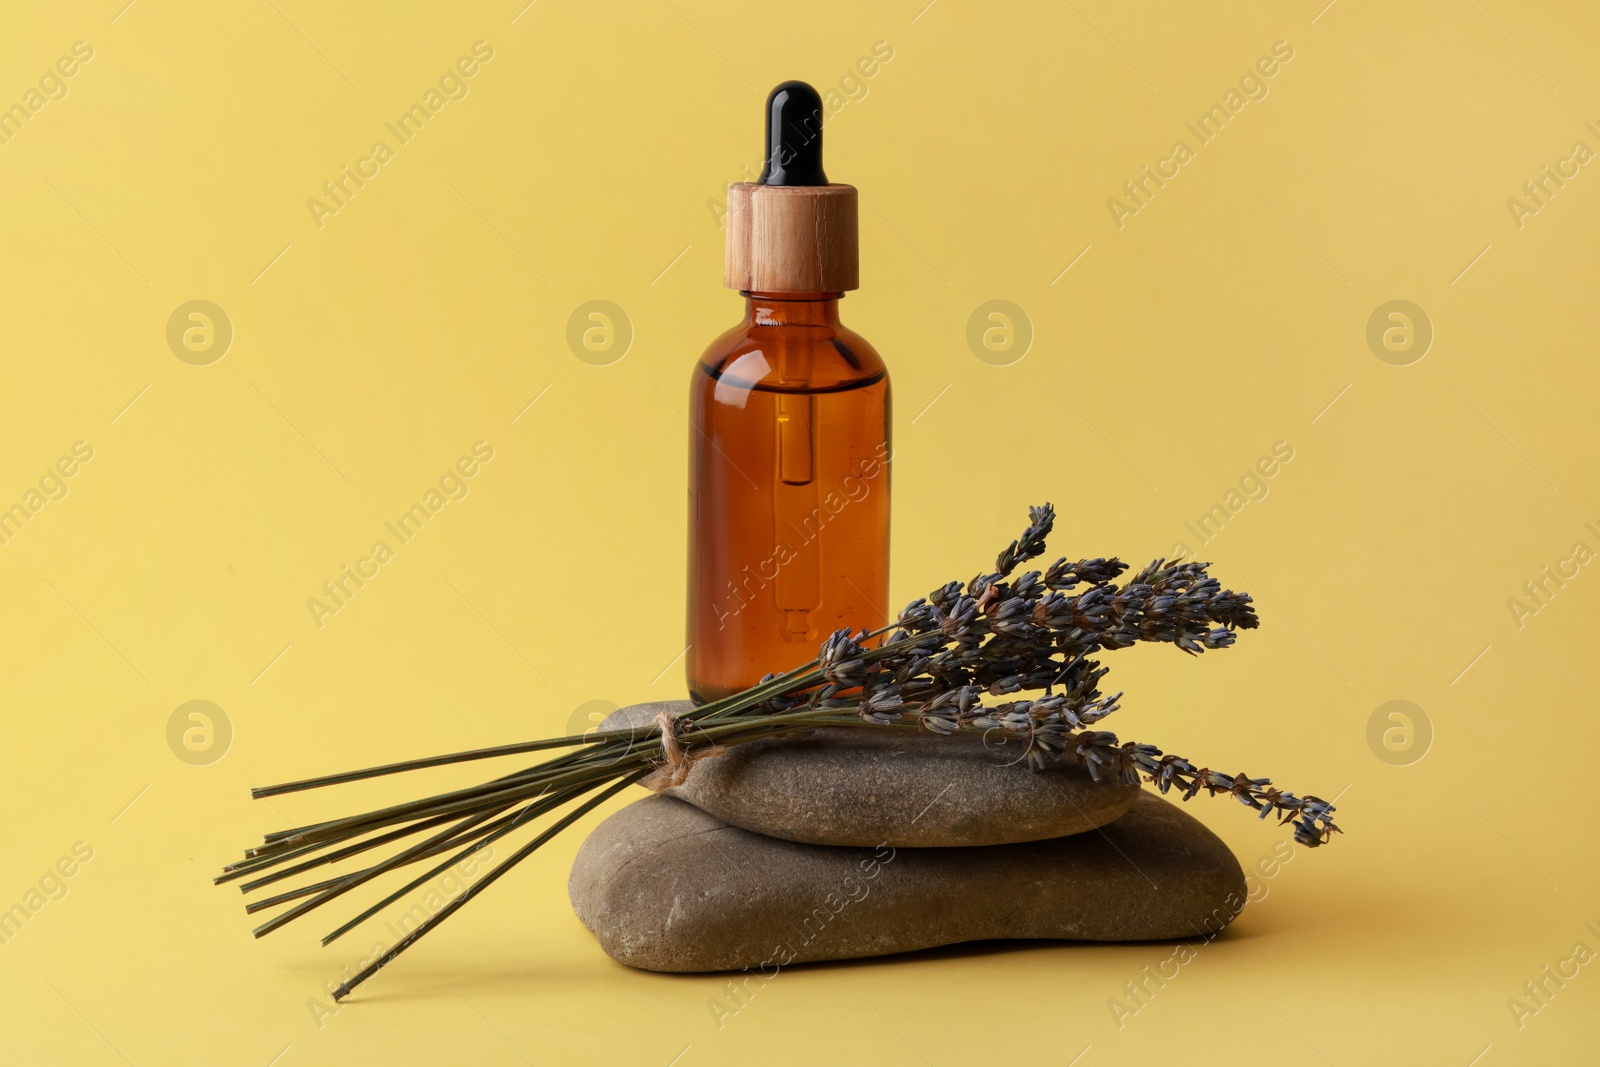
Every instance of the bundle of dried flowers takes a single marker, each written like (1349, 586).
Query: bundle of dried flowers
(931, 669)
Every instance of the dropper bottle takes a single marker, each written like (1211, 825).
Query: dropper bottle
(790, 447)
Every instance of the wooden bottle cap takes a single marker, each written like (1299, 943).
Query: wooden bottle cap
(792, 238)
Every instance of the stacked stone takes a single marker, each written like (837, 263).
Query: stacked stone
(841, 843)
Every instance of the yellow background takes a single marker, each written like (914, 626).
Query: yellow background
(368, 354)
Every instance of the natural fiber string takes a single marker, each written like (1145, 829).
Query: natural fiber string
(676, 762)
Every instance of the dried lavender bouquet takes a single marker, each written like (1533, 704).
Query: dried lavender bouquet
(931, 669)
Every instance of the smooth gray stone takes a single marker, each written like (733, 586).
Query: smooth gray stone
(668, 887)
(844, 785)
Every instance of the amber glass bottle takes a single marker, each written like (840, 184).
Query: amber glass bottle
(788, 491)
(790, 447)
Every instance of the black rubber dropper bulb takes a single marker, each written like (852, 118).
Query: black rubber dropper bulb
(794, 136)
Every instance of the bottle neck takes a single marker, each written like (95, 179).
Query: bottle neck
(791, 309)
